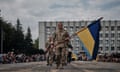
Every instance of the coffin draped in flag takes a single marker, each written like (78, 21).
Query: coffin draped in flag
(89, 37)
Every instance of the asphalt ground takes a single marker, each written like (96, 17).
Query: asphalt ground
(75, 66)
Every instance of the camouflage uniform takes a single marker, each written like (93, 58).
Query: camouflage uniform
(60, 42)
(50, 53)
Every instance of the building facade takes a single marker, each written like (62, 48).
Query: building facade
(109, 34)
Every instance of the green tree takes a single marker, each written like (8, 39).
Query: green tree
(7, 32)
(28, 39)
(18, 38)
(36, 43)
(28, 42)
(14, 39)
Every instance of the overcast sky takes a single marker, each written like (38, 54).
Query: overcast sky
(30, 12)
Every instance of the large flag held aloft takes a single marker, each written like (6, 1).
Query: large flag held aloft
(89, 37)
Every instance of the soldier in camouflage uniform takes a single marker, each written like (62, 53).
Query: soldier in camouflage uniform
(49, 51)
(60, 40)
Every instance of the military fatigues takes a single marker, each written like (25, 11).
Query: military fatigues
(60, 46)
(50, 53)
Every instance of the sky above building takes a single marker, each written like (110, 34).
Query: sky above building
(30, 12)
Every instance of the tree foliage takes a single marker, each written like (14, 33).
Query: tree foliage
(15, 40)
(36, 43)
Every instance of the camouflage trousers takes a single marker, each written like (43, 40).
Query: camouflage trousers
(61, 57)
(50, 56)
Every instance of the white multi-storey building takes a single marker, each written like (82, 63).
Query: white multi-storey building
(109, 34)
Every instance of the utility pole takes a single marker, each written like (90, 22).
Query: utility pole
(1, 35)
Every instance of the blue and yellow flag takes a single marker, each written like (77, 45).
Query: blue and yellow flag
(89, 36)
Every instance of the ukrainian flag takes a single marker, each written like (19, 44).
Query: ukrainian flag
(89, 37)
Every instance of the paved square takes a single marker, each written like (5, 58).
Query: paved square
(76, 66)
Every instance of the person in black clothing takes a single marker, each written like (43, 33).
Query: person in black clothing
(69, 56)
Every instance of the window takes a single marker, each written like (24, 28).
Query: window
(112, 28)
(53, 28)
(48, 29)
(118, 41)
(118, 28)
(65, 27)
(101, 28)
(77, 28)
(82, 26)
(77, 23)
(101, 35)
(71, 28)
(101, 48)
(106, 41)
(77, 42)
(112, 48)
(118, 48)
(119, 35)
(106, 35)
(106, 48)
(106, 28)
(112, 35)
(48, 36)
(101, 41)
(112, 41)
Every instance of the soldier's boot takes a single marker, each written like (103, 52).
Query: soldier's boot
(51, 61)
(57, 61)
(47, 60)
(63, 60)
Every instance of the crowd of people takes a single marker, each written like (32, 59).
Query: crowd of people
(11, 57)
(114, 57)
